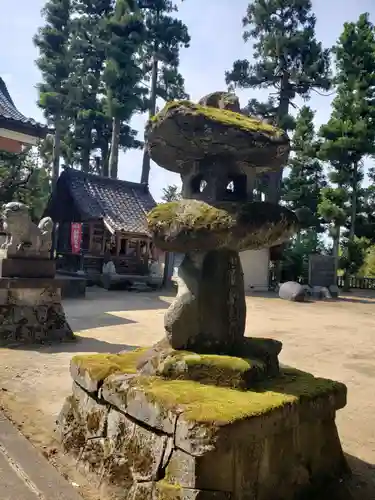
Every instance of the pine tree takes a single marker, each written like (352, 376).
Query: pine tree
(23, 179)
(122, 73)
(165, 36)
(54, 62)
(302, 187)
(368, 267)
(332, 208)
(289, 61)
(171, 193)
(89, 42)
(365, 220)
(349, 135)
(301, 192)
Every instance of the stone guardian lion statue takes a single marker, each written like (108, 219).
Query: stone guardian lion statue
(22, 233)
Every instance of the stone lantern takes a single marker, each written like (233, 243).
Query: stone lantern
(207, 413)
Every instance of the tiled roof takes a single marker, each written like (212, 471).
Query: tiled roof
(14, 119)
(122, 205)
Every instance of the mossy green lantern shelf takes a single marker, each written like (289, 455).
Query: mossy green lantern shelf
(218, 151)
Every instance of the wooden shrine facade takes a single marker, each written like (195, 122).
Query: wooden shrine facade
(114, 225)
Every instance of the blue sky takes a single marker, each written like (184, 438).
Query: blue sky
(216, 41)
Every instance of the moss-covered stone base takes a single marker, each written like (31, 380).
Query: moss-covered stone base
(255, 360)
(155, 438)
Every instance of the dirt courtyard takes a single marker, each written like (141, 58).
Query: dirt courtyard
(334, 339)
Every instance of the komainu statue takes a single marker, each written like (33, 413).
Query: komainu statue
(22, 234)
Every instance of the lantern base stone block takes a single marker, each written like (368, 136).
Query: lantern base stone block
(31, 312)
(152, 438)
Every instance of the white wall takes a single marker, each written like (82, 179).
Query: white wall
(255, 265)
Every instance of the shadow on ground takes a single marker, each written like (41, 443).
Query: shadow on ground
(360, 485)
(98, 309)
(118, 300)
(81, 344)
(356, 300)
(97, 321)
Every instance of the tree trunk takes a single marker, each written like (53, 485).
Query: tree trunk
(145, 176)
(354, 202)
(275, 178)
(273, 193)
(56, 152)
(115, 142)
(86, 150)
(353, 217)
(336, 248)
(104, 150)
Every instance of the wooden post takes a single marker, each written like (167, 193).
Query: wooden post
(118, 243)
(91, 234)
(104, 240)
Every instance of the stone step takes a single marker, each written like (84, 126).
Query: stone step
(24, 473)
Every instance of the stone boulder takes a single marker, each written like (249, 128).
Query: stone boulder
(184, 133)
(293, 291)
(221, 100)
(321, 292)
(193, 225)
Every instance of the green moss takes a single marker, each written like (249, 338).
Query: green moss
(223, 116)
(209, 404)
(227, 363)
(167, 491)
(200, 215)
(224, 371)
(188, 225)
(100, 366)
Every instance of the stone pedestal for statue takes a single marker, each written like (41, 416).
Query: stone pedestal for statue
(30, 296)
(31, 312)
(26, 266)
(207, 413)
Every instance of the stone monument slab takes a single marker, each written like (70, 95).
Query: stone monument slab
(322, 271)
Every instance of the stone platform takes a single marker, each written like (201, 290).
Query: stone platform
(31, 311)
(13, 267)
(148, 437)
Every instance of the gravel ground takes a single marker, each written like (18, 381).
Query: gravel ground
(334, 339)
